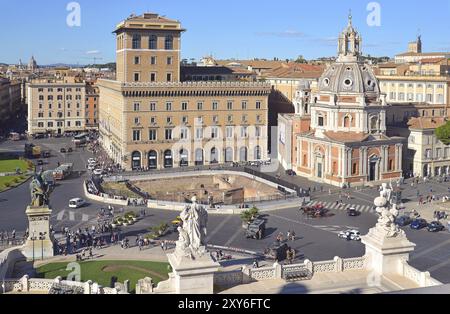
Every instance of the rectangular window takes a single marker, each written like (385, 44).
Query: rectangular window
(258, 131)
(215, 119)
(230, 105)
(137, 106)
(169, 77)
(137, 120)
(169, 120)
(168, 106)
(183, 133)
(137, 60)
(230, 118)
(199, 133)
(244, 132)
(230, 131)
(152, 77)
(168, 134)
(136, 135)
(169, 60)
(153, 60)
(153, 106)
(185, 120)
(184, 106)
(244, 105)
(429, 98)
(215, 105)
(244, 118)
(152, 135)
(258, 118)
(40, 124)
(136, 77)
(320, 121)
(200, 106)
(136, 44)
(153, 120)
(214, 132)
(258, 105)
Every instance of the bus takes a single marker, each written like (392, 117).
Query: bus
(80, 139)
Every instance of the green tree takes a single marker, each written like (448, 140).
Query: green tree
(301, 59)
(443, 133)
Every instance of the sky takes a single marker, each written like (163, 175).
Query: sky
(240, 29)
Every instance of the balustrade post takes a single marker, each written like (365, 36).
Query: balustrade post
(339, 264)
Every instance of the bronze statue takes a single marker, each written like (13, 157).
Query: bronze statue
(39, 191)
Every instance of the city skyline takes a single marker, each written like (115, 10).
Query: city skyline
(238, 33)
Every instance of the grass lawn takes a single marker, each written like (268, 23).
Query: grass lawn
(10, 165)
(102, 271)
(12, 180)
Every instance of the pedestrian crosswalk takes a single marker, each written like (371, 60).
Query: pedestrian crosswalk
(338, 206)
(71, 216)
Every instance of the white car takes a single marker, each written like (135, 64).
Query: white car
(92, 161)
(354, 235)
(76, 203)
(99, 172)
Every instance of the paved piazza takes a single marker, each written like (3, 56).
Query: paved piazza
(316, 238)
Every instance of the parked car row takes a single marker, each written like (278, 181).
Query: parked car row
(419, 223)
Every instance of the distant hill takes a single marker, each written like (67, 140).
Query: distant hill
(111, 65)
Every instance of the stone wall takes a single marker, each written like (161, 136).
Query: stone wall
(8, 258)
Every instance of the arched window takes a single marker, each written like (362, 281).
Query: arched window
(153, 42)
(347, 122)
(184, 158)
(214, 156)
(136, 160)
(136, 41)
(257, 153)
(152, 160)
(199, 160)
(168, 159)
(229, 155)
(374, 125)
(243, 154)
(168, 44)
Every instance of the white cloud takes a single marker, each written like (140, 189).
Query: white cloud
(92, 52)
(283, 34)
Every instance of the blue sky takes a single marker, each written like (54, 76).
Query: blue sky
(226, 29)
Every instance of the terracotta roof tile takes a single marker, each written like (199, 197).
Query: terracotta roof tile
(426, 122)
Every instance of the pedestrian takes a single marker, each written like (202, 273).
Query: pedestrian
(255, 263)
(162, 245)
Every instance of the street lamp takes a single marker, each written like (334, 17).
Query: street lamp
(33, 238)
(42, 238)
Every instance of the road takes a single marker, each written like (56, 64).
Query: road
(317, 238)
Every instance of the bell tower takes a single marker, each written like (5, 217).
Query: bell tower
(349, 46)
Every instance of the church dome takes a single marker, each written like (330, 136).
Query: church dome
(351, 77)
(349, 74)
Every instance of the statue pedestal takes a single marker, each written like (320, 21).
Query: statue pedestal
(39, 244)
(193, 276)
(385, 254)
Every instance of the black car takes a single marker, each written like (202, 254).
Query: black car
(403, 221)
(435, 226)
(70, 150)
(291, 173)
(63, 150)
(40, 162)
(352, 212)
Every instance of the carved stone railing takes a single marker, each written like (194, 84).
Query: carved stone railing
(44, 286)
(357, 263)
(229, 278)
(263, 273)
(423, 279)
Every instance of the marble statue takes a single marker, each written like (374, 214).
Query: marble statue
(192, 234)
(386, 221)
(39, 191)
(386, 192)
